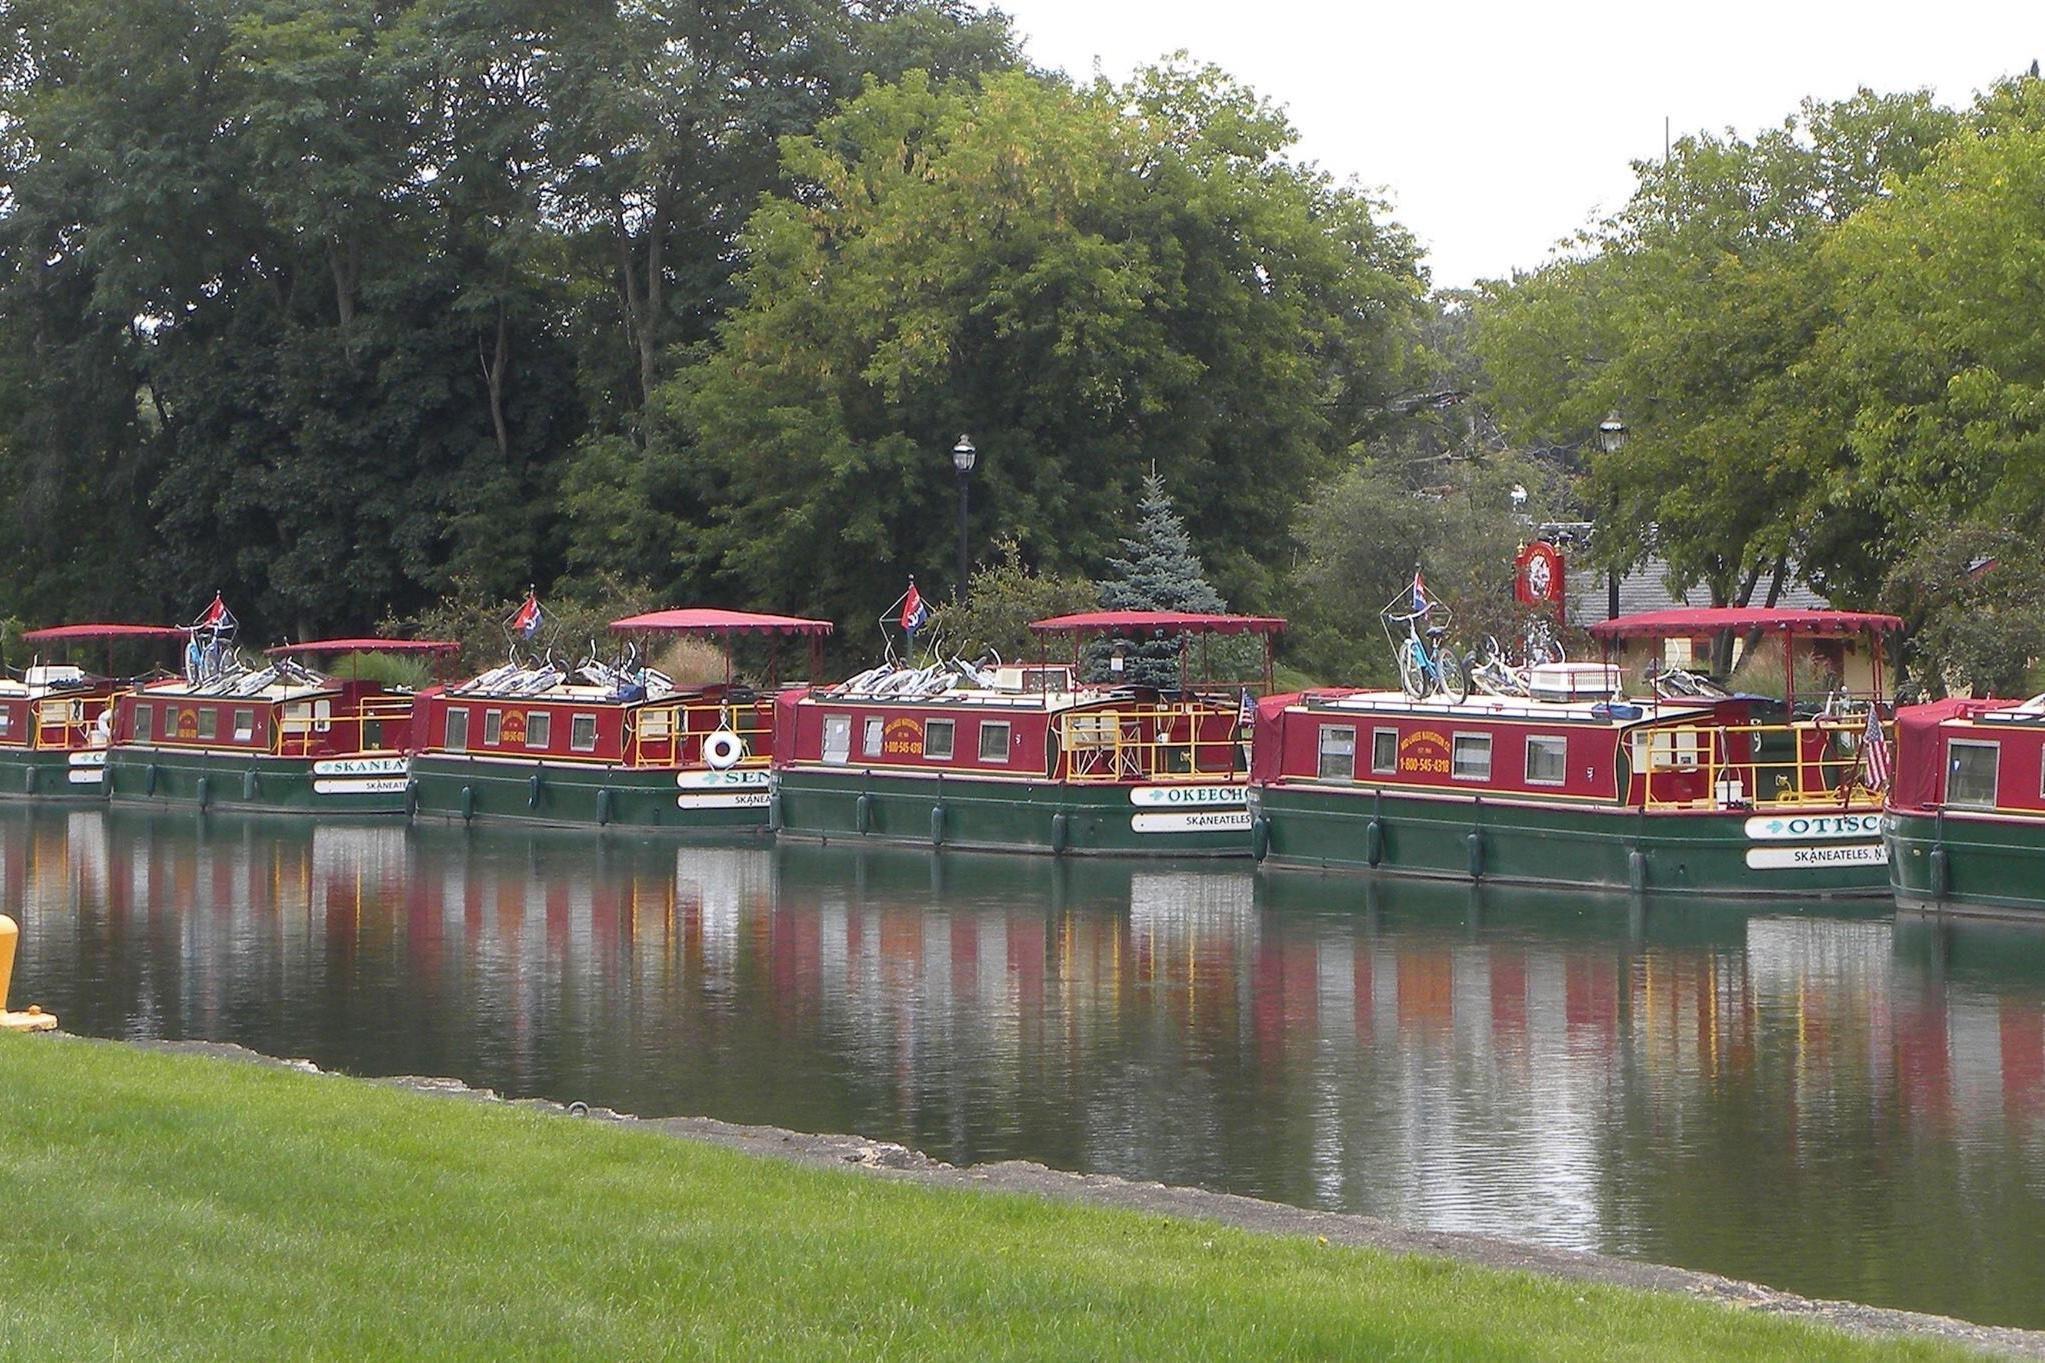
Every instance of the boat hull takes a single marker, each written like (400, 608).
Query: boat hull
(1719, 853)
(1965, 862)
(257, 783)
(472, 789)
(1012, 815)
(53, 775)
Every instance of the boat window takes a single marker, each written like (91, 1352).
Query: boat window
(937, 739)
(1338, 753)
(1471, 757)
(870, 740)
(1384, 751)
(654, 724)
(538, 723)
(582, 733)
(170, 721)
(322, 715)
(372, 735)
(244, 726)
(209, 722)
(1970, 773)
(6, 720)
(145, 716)
(1547, 760)
(457, 739)
(993, 740)
(493, 727)
(837, 737)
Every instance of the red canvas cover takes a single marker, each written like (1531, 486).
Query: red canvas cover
(57, 634)
(709, 620)
(1267, 753)
(1920, 780)
(1695, 620)
(1164, 622)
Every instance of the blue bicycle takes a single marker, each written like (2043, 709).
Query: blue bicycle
(1427, 665)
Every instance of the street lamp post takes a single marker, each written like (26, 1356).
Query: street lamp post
(1612, 439)
(963, 456)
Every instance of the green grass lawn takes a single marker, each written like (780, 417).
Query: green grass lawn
(156, 1206)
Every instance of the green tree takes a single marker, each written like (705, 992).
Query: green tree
(1159, 570)
(1086, 280)
(1693, 313)
(1003, 597)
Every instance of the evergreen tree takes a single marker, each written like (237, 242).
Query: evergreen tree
(1159, 571)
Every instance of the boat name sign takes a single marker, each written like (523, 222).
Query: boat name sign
(1183, 797)
(1811, 827)
(1812, 857)
(359, 766)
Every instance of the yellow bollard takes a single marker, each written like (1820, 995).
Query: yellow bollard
(35, 1019)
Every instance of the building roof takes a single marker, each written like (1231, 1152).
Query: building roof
(1646, 588)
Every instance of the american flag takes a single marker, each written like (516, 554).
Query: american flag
(1874, 751)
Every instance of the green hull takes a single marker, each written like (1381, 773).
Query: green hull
(1966, 863)
(256, 784)
(587, 795)
(52, 776)
(1733, 853)
(972, 814)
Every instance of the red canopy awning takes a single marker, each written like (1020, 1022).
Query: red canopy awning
(709, 620)
(365, 646)
(1697, 620)
(58, 634)
(1157, 622)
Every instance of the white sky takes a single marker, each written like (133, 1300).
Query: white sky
(1496, 129)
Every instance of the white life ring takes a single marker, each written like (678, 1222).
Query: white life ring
(723, 749)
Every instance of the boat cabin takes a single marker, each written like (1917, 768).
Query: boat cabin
(61, 707)
(620, 713)
(1040, 720)
(1985, 756)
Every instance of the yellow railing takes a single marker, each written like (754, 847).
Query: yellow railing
(1150, 743)
(1808, 764)
(672, 733)
(61, 723)
(307, 732)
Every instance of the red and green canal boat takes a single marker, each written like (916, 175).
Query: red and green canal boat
(56, 721)
(1026, 757)
(1965, 825)
(608, 744)
(276, 738)
(1645, 778)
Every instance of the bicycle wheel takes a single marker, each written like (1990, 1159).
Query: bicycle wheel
(1413, 669)
(1454, 674)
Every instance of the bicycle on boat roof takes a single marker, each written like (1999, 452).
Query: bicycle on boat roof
(1427, 664)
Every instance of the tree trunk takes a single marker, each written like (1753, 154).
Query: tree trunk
(344, 261)
(494, 367)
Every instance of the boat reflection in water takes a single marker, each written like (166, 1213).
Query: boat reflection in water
(1842, 1105)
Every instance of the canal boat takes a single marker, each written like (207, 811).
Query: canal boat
(1965, 825)
(279, 737)
(1028, 757)
(1630, 774)
(56, 719)
(609, 743)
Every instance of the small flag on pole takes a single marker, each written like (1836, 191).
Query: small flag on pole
(216, 616)
(914, 613)
(1874, 753)
(526, 623)
(1420, 604)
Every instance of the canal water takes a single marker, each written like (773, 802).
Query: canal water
(1837, 1102)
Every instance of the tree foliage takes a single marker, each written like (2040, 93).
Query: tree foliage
(1087, 280)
